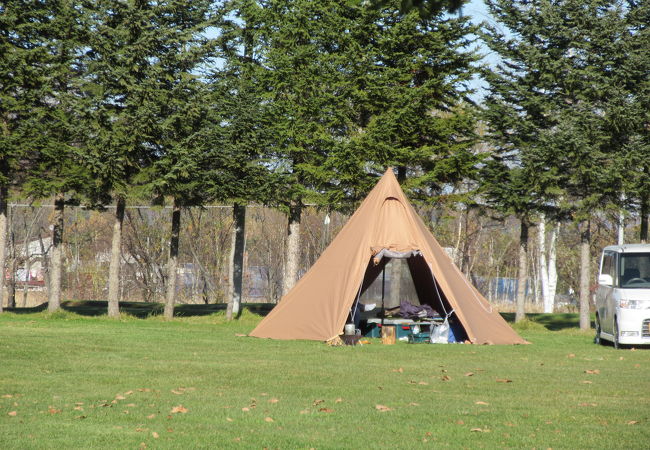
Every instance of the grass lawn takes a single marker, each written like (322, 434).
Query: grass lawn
(83, 381)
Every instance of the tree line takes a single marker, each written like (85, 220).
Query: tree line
(289, 103)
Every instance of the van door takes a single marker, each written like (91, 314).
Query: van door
(604, 294)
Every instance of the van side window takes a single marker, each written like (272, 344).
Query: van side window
(609, 265)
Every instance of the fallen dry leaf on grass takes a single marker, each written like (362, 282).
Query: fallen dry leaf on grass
(179, 409)
(273, 400)
(228, 419)
(245, 409)
(78, 408)
(480, 430)
(587, 404)
(155, 435)
(592, 372)
(120, 397)
(7, 396)
(338, 400)
(571, 355)
(633, 422)
(414, 404)
(503, 380)
(12, 413)
(326, 410)
(423, 383)
(400, 370)
(53, 410)
(383, 408)
(182, 390)
(586, 382)
(268, 419)
(469, 374)
(151, 416)
(481, 403)
(317, 402)
(445, 378)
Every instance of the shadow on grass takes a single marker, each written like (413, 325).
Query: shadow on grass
(143, 310)
(552, 322)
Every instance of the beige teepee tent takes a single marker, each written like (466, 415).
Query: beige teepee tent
(384, 226)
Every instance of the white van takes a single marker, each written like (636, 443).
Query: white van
(623, 295)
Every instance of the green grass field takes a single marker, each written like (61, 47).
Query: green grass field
(80, 380)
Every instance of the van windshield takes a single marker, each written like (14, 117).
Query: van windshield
(635, 270)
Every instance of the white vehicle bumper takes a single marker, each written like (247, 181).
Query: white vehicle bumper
(634, 327)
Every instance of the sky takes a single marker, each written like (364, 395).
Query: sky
(478, 13)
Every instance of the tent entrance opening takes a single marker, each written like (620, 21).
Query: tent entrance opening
(400, 290)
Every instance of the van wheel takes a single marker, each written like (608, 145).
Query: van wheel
(617, 345)
(597, 339)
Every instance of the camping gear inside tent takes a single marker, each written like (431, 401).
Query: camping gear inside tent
(383, 228)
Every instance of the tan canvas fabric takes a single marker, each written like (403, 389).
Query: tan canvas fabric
(318, 306)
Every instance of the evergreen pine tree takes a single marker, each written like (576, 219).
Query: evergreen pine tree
(56, 139)
(552, 102)
(144, 103)
(20, 85)
(411, 79)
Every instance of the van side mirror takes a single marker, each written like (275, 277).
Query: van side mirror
(605, 280)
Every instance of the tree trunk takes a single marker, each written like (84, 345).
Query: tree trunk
(236, 261)
(621, 228)
(172, 264)
(292, 257)
(459, 234)
(543, 264)
(585, 272)
(56, 257)
(552, 265)
(395, 267)
(27, 254)
(4, 194)
(643, 235)
(28, 269)
(11, 284)
(116, 256)
(465, 261)
(520, 313)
